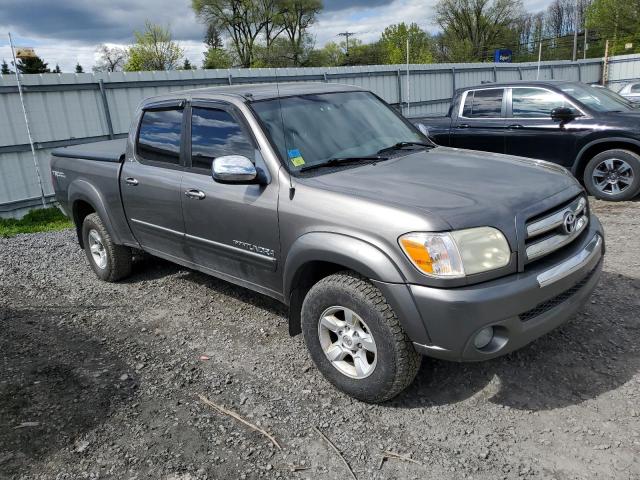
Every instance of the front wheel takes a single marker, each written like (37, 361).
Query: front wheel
(613, 175)
(356, 340)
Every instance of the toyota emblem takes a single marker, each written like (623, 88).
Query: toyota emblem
(569, 223)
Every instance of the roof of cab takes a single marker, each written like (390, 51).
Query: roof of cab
(258, 91)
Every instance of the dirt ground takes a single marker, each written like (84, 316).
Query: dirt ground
(102, 380)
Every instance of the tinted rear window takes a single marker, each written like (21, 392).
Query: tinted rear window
(159, 137)
(483, 104)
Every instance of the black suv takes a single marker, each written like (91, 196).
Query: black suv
(593, 134)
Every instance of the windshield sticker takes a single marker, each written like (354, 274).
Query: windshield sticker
(296, 158)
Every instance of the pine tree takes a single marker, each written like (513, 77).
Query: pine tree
(79, 68)
(187, 65)
(57, 69)
(4, 69)
(32, 65)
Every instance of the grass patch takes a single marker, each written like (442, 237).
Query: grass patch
(40, 220)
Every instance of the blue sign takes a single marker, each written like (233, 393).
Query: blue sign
(502, 55)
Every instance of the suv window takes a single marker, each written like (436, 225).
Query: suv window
(159, 137)
(483, 103)
(635, 88)
(215, 133)
(535, 102)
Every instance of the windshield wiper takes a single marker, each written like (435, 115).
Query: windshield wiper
(332, 162)
(401, 145)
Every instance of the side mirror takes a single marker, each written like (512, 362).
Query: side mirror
(423, 129)
(234, 169)
(562, 114)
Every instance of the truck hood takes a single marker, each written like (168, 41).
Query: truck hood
(464, 188)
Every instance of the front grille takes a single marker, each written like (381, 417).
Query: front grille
(557, 300)
(553, 230)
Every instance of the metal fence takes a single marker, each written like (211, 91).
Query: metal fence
(69, 109)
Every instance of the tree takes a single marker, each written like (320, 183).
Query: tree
(213, 38)
(79, 68)
(393, 44)
(187, 65)
(57, 69)
(472, 28)
(296, 17)
(616, 20)
(32, 65)
(111, 59)
(243, 20)
(154, 50)
(4, 69)
(216, 56)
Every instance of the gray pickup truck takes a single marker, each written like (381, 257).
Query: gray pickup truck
(383, 245)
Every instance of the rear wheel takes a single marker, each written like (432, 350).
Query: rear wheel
(109, 261)
(613, 175)
(356, 340)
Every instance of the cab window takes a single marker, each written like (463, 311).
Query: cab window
(216, 133)
(159, 136)
(483, 103)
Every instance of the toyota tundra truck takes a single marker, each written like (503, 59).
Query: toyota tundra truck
(384, 246)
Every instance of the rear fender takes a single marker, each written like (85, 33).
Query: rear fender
(82, 190)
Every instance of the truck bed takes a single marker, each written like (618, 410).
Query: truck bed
(107, 151)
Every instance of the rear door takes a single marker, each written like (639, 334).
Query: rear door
(150, 181)
(480, 124)
(531, 132)
(231, 229)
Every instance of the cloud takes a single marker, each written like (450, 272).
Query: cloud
(336, 5)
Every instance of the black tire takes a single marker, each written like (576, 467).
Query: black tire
(397, 362)
(118, 259)
(627, 190)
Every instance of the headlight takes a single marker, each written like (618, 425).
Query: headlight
(456, 254)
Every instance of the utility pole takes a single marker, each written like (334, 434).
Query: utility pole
(586, 45)
(347, 35)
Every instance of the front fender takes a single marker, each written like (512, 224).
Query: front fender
(340, 249)
(585, 148)
(80, 189)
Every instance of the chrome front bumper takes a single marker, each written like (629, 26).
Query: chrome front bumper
(573, 264)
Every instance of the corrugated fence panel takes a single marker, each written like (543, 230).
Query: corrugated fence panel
(70, 108)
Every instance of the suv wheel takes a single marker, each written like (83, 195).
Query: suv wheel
(613, 175)
(356, 340)
(109, 261)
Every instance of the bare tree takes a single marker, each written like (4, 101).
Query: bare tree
(243, 20)
(111, 59)
(296, 17)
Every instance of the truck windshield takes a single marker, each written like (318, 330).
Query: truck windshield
(315, 129)
(594, 99)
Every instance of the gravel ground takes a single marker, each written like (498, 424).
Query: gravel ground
(102, 380)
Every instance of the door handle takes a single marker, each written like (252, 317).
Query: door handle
(131, 181)
(463, 125)
(515, 126)
(193, 193)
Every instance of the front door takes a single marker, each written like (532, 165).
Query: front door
(150, 183)
(232, 230)
(480, 124)
(531, 132)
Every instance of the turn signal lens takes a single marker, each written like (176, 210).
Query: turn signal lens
(434, 254)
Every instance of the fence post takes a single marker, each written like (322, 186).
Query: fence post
(399, 88)
(579, 72)
(105, 105)
(326, 80)
(495, 74)
(453, 81)
(552, 73)
(520, 73)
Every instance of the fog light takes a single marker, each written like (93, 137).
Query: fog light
(483, 338)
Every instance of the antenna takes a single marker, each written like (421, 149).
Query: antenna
(346, 35)
(284, 134)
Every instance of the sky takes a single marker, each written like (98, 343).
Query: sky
(67, 32)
